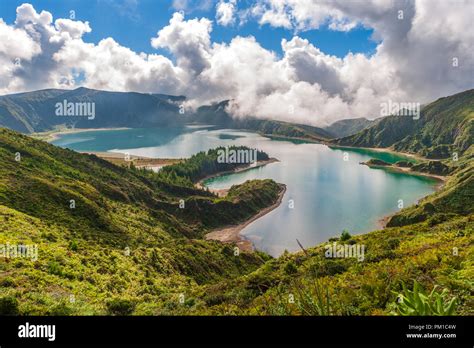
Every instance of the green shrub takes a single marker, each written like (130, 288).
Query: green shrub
(290, 268)
(120, 306)
(327, 268)
(345, 235)
(7, 282)
(393, 243)
(73, 245)
(61, 309)
(54, 268)
(8, 306)
(417, 302)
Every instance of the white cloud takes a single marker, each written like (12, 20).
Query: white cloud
(74, 29)
(274, 13)
(16, 47)
(189, 41)
(413, 61)
(189, 6)
(41, 54)
(225, 12)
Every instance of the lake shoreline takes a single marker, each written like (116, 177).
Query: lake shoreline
(119, 158)
(406, 170)
(223, 192)
(231, 234)
(54, 134)
(378, 149)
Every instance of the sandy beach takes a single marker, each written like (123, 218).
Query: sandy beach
(138, 161)
(231, 234)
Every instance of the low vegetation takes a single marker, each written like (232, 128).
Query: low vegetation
(125, 241)
(205, 164)
(111, 240)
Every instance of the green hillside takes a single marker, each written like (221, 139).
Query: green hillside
(122, 241)
(430, 243)
(444, 127)
(344, 128)
(456, 197)
(81, 248)
(216, 114)
(36, 111)
(127, 247)
(308, 283)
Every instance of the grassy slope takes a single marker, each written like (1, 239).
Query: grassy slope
(445, 126)
(322, 286)
(216, 114)
(418, 244)
(35, 112)
(344, 128)
(456, 197)
(431, 242)
(81, 250)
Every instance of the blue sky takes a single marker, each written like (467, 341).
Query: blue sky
(412, 62)
(133, 25)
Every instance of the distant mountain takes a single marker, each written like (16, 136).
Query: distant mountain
(344, 128)
(444, 127)
(37, 111)
(217, 114)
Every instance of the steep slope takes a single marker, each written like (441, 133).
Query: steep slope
(444, 127)
(456, 197)
(36, 111)
(344, 128)
(217, 114)
(117, 239)
(309, 283)
(431, 242)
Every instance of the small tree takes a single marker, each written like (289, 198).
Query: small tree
(345, 235)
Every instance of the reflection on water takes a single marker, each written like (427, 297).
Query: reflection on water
(329, 193)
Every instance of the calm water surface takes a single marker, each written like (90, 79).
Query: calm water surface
(327, 193)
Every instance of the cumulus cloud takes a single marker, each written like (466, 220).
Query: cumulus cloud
(302, 15)
(414, 60)
(225, 12)
(189, 41)
(38, 53)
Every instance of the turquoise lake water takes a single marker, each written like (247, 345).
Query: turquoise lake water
(328, 190)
